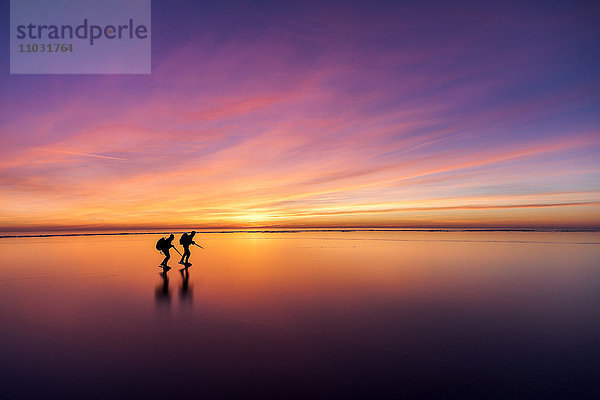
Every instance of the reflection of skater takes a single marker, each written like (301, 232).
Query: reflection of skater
(185, 294)
(164, 245)
(162, 290)
(186, 240)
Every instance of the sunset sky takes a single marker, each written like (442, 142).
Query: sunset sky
(288, 114)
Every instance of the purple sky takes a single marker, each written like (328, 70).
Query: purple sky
(305, 114)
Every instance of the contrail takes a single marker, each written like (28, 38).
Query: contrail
(81, 154)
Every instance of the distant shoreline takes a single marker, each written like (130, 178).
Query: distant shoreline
(342, 230)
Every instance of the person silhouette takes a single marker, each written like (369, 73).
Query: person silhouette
(186, 240)
(164, 245)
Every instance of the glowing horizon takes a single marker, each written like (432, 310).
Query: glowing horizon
(309, 115)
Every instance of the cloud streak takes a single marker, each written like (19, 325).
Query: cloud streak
(81, 154)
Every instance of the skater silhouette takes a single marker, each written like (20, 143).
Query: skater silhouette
(164, 245)
(186, 240)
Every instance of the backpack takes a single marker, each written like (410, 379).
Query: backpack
(161, 244)
(184, 239)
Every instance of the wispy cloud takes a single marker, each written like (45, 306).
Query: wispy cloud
(74, 153)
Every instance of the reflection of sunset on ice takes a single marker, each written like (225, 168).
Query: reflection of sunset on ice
(304, 313)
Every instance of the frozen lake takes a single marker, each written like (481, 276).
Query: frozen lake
(303, 315)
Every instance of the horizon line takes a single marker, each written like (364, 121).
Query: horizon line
(298, 230)
(182, 228)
